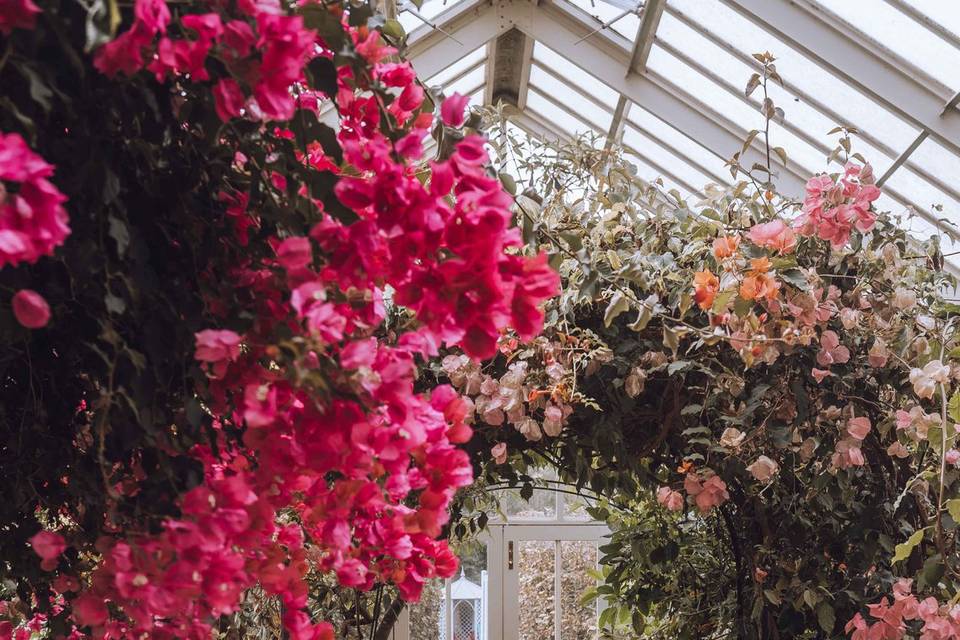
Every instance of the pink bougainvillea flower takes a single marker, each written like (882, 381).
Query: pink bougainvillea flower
(925, 380)
(30, 309)
(831, 351)
(669, 499)
(453, 109)
(48, 545)
(847, 454)
(216, 345)
(952, 456)
(707, 493)
(499, 452)
(33, 221)
(858, 427)
(820, 374)
(17, 14)
(774, 235)
(878, 354)
(228, 98)
(90, 610)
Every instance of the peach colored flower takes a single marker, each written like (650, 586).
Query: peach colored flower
(732, 437)
(831, 351)
(820, 374)
(773, 235)
(725, 246)
(859, 427)
(499, 452)
(670, 499)
(706, 285)
(878, 354)
(763, 469)
(707, 493)
(925, 380)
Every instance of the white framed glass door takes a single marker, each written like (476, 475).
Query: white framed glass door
(546, 568)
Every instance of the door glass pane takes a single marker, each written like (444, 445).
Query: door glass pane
(469, 593)
(536, 567)
(578, 558)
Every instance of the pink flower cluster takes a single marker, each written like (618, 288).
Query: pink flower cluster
(17, 14)
(342, 467)
(833, 208)
(33, 221)
(707, 490)
(940, 622)
(261, 49)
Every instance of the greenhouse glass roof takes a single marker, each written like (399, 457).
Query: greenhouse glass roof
(666, 79)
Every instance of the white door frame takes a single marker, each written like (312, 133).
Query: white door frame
(511, 536)
(502, 597)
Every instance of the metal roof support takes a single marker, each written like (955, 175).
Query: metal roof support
(619, 119)
(649, 21)
(851, 60)
(902, 158)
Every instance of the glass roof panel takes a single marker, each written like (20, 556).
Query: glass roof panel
(797, 69)
(946, 13)
(569, 97)
(626, 25)
(686, 147)
(429, 9)
(467, 83)
(458, 67)
(910, 40)
(550, 112)
(550, 59)
(651, 174)
(925, 195)
(935, 159)
(659, 155)
(800, 114)
(731, 107)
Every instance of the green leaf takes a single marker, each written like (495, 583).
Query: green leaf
(618, 304)
(742, 306)
(953, 407)
(782, 154)
(826, 617)
(722, 299)
(574, 241)
(953, 508)
(394, 29)
(671, 338)
(508, 183)
(904, 549)
(794, 277)
(118, 231)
